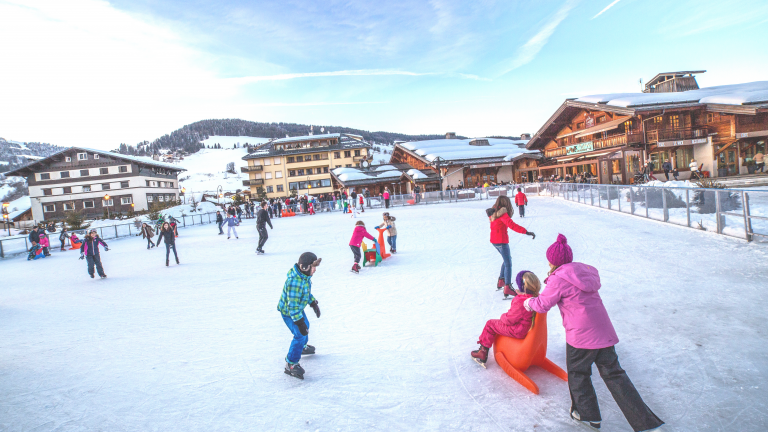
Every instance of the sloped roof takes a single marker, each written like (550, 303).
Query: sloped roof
(734, 94)
(460, 150)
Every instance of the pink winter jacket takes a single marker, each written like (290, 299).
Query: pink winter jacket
(358, 234)
(517, 318)
(386, 195)
(573, 288)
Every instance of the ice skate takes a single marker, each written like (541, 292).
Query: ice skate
(103, 276)
(500, 283)
(595, 426)
(508, 291)
(166, 263)
(294, 370)
(308, 349)
(177, 261)
(92, 276)
(480, 355)
(355, 268)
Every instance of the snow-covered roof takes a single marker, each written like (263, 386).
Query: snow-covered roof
(459, 149)
(138, 159)
(734, 94)
(416, 174)
(306, 138)
(19, 206)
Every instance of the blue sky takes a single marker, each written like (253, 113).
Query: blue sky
(100, 73)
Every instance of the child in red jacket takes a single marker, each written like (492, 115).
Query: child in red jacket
(521, 201)
(357, 239)
(516, 322)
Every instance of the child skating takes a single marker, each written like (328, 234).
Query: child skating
(297, 294)
(166, 233)
(521, 201)
(357, 239)
(590, 338)
(90, 251)
(389, 224)
(515, 323)
(231, 222)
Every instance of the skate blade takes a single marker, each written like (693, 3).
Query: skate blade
(301, 377)
(479, 362)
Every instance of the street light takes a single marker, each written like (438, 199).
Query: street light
(220, 193)
(309, 183)
(184, 193)
(6, 217)
(106, 198)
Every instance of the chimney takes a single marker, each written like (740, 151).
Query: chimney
(450, 135)
(670, 82)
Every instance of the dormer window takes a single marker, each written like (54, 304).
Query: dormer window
(67, 159)
(95, 156)
(82, 156)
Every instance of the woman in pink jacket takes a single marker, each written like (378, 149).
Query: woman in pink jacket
(385, 195)
(590, 338)
(357, 238)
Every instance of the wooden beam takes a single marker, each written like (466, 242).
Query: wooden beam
(717, 153)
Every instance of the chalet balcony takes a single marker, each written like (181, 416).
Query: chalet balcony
(359, 158)
(251, 168)
(654, 136)
(601, 143)
(253, 182)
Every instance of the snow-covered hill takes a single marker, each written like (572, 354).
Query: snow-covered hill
(207, 169)
(231, 141)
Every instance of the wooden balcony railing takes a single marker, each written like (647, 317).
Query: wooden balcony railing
(654, 136)
(611, 141)
(253, 182)
(251, 168)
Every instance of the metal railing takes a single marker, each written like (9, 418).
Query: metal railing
(19, 244)
(736, 213)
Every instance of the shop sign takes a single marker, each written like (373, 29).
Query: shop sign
(579, 148)
(589, 121)
(680, 143)
(752, 134)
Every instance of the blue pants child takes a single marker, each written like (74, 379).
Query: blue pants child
(392, 240)
(299, 340)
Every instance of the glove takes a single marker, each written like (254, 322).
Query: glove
(315, 308)
(530, 233)
(106, 248)
(302, 325)
(375, 227)
(82, 256)
(525, 304)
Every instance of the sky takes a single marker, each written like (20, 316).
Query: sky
(99, 73)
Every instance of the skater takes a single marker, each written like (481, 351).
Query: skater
(500, 221)
(63, 237)
(148, 233)
(166, 233)
(297, 294)
(279, 205)
(362, 203)
(590, 338)
(34, 235)
(389, 224)
(261, 221)
(354, 243)
(219, 221)
(521, 201)
(516, 322)
(231, 222)
(90, 251)
(44, 243)
(33, 252)
(385, 195)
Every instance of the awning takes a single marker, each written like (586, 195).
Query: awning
(602, 127)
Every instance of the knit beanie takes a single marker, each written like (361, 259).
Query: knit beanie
(519, 281)
(560, 253)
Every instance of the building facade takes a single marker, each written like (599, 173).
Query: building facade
(399, 179)
(79, 179)
(612, 135)
(302, 164)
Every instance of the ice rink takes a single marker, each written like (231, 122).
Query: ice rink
(200, 346)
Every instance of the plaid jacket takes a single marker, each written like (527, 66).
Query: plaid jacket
(297, 294)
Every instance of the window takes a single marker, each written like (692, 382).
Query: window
(47, 191)
(347, 154)
(277, 161)
(268, 175)
(267, 162)
(674, 121)
(601, 119)
(325, 182)
(67, 159)
(107, 203)
(300, 172)
(683, 156)
(308, 157)
(293, 186)
(257, 176)
(48, 208)
(279, 188)
(338, 166)
(658, 119)
(45, 176)
(105, 186)
(302, 185)
(150, 198)
(712, 117)
(122, 168)
(67, 189)
(325, 170)
(278, 174)
(68, 206)
(337, 155)
(161, 184)
(88, 204)
(123, 184)
(357, 152)
(125, 200)
(86, 188)
(95, 156)
(82, 156)
(269, 189)
(84, 173)
(289, 159)
(580, 125)
(103, 171)
(64, 174)
(160, 198)
(316, 157)
(348, 166)
(291, 173)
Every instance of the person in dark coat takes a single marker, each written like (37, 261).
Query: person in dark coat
(667, 167)
(64, 236)
(279, 205)
(166, 233)
(90, 251)
(34, 235)
(261, 226)
(148, 233)
(219, 221)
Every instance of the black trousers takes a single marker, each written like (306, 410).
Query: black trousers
(149, 242)
(263, 236)
(356, 252)
(168, 247)
(666, 174)
(521, 209)
(386, 203)
(94, 261)
(62, 244)
(583, 398)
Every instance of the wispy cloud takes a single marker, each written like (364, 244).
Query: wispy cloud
(301, 104)
(359, 72)
(605, 9)
(526, 53)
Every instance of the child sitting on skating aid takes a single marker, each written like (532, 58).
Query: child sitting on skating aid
(354, 243)
(516, 322)
(389, 224)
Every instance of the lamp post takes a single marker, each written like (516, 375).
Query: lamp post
(438, 160)
(184, 194)
(106, 198)
(6, 217)
(220, 193)
(309, 183)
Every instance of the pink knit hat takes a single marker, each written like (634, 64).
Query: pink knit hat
(560, 253)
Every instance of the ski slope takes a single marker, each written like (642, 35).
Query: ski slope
(200, 346)
(207, 169)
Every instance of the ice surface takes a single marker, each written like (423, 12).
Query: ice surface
(200, 346)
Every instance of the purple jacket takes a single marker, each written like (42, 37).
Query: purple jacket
(573, 288)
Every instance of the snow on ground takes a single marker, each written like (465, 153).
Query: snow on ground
(207, 169)
(200, 346)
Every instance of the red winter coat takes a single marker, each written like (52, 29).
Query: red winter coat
(358, 234)
(517, 318)
(500, 221)
(521, 199)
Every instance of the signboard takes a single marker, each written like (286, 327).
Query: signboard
(489, 165)
(752, 134)
(682, 142)
(589, 121)
(579, 148)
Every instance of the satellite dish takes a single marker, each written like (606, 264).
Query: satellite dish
(365, 164)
